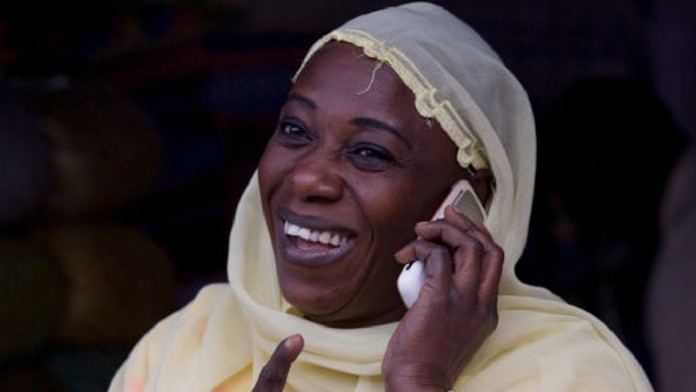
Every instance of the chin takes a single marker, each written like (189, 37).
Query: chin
(315, 303)
(333, 308)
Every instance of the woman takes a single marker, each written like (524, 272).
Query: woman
(385, 114)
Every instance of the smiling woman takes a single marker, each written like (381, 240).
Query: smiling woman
(385, 114)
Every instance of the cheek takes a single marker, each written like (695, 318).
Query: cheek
(265, 168)
(394, 213)
(398, 213)
(271, 171)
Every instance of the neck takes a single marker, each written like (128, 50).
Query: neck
(391, 315)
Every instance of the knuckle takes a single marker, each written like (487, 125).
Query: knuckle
(269, 374)
(488, 319)
(497, 252)
(431, 250)
(439, 251)
(478, 248)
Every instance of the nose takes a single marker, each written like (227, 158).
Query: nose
(316, 180)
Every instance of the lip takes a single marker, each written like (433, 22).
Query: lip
(319, 256)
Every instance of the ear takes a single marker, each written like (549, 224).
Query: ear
(482, 182)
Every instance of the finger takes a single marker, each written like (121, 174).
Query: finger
(492, 256)
(469, 261)
(462, 242)
(477, 259)
(437, 258)
(274, 374)
(406, 255)
(490, 275)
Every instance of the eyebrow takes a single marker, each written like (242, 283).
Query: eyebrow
(303, 99)
(374, 123)
(358, 121)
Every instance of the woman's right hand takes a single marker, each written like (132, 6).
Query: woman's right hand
(456, 308)
(274, 374)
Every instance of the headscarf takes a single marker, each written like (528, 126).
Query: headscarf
(223, 338)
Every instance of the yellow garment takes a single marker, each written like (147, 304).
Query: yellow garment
(221, 340)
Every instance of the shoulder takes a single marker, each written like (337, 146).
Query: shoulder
(544, 344)
(177, 331)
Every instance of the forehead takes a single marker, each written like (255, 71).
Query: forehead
(342, 72)
(342, 83)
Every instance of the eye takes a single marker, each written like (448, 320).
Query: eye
(292, 132)
(370, 157)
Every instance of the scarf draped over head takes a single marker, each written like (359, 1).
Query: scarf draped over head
(223, 338)
(459, 81)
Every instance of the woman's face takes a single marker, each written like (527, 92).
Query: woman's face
(349, 171)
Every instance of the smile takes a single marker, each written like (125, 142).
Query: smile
(324, 237)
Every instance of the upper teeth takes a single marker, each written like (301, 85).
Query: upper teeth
(323, 237)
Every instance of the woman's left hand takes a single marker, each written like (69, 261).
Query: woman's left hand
(456, 308)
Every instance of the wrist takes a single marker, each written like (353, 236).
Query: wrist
(421, 377)
(408, 384)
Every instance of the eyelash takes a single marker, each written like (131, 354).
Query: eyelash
(370, 157)
(298, 136)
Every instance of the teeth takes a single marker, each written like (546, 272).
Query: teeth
(292, 229)
(323, 237)
(304, 233)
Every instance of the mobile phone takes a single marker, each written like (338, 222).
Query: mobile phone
(464, 199)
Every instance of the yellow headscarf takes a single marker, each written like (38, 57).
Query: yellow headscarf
(222, 339)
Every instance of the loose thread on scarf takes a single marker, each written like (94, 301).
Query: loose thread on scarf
(378, 65)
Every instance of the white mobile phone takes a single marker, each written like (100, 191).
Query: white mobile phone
(464, 199)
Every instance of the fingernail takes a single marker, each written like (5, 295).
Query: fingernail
(294, 340)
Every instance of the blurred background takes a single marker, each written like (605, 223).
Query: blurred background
(129, 128)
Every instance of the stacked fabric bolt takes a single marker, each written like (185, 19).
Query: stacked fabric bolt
(105, 153)
(119, 282)
(72, 272)
(31, 287)
(24, 160)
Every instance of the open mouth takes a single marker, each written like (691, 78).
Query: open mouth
(311, 241)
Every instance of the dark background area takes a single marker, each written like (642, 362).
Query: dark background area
(128, 130)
